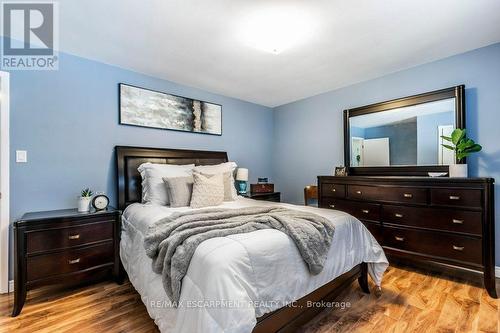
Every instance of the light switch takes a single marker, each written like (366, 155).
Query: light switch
(21, 156)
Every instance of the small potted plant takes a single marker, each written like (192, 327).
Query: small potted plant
(463, 147)
(84, 200)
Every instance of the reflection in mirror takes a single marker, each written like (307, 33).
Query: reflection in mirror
(403, 136)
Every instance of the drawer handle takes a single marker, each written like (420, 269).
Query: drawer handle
(458, 248)
(455, 221)
(333, 189)
(398, 215)
(408, 195)
(332, 206)
(77, 236)
(399, 239)
(74, 261)
(366, 211)
(454, 197)
(358, 192)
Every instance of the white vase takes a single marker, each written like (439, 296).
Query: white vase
(83, 204)
(458, 170)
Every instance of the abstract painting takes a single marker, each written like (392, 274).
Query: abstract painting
(148, 108)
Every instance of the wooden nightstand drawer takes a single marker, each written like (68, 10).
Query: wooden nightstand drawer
(44, 240)
(65, 247)
(273, 196)
(46, 265)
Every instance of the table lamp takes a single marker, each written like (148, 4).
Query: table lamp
(242, 178)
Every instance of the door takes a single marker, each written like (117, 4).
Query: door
(357, 151)
(4, 182)
(445, 156)
(376, 152)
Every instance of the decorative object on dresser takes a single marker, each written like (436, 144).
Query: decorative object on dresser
(462, 147)
(100, 202)
(267, 196)
(84, 200)
(242, 179)
(340, 171)
(64, 247)
(262, 188)
(403, 137)
(149, 108)
(442, 223)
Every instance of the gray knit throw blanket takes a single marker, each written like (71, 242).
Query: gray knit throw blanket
(172, 241)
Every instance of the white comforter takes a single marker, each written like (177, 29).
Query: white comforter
(233, 280)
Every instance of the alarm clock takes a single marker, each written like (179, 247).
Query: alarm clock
(100, 202)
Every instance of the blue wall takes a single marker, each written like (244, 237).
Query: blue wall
(358, 132)
(298, 159)
(427, 136)
(402, 141)
(67, 120)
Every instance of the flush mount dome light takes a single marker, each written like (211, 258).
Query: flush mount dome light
(276, 30)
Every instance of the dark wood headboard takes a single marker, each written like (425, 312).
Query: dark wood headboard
(128, 160)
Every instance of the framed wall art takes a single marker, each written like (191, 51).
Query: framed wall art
(149, 108)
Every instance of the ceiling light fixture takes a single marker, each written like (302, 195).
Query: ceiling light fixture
(275, 30)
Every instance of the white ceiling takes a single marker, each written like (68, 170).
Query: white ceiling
(335, 43)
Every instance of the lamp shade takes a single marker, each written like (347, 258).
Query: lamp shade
(242, 174)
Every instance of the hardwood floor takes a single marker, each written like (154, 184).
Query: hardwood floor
(411, 302)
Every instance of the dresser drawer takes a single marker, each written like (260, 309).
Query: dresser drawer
(38, 241)
(333, 190)
(456, 197)
(363, 192)
(447, 246)
(411, 195)
(360, 210)
(43, 266)
(434, 218)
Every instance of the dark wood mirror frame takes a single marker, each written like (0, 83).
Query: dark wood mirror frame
(457, 92)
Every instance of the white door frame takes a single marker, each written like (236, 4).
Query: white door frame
(4, 183)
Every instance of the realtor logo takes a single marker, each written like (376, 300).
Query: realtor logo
(30, 35)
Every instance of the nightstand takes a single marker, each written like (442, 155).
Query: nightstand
(64, 247)
(272, 196)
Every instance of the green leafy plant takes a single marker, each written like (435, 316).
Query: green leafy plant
(87, 193)
(462, 145)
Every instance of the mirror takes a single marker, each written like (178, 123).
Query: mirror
(403, 136)
(404, 132)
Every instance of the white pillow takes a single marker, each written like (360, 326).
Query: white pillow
(153, 188)
(208, 190)
(230, 193)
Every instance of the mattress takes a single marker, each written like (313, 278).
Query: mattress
(233, 280)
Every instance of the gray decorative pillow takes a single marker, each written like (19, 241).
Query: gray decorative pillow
(179, 190)
(208, 190)
(230, 193)
(228, 185)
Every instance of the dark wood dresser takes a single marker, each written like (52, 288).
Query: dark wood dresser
(64, 247)
(442, 223)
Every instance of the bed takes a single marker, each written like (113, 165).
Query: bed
(254, 282)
